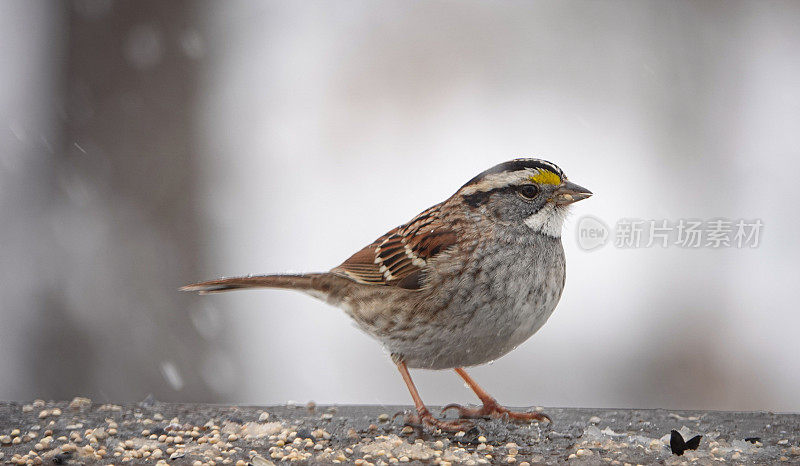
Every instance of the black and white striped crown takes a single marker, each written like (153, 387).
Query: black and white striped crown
(514, 172)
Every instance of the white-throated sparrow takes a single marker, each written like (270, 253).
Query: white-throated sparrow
(461, 284)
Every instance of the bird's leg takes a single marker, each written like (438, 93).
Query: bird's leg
(424, 416)
(491, 408)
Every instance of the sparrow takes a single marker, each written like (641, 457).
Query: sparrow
(461, 284)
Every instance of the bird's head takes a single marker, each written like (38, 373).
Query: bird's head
(530, 192)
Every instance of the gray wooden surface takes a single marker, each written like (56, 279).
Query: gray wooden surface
(150, 431)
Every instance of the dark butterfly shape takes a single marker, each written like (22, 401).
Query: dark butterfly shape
(752, 439)
(678, 445)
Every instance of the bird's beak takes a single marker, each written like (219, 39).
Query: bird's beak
(569, 192)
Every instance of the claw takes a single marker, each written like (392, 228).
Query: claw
(426, 419)
(461, 410)
(489, 410)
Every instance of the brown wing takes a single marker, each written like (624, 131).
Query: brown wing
(399, 257)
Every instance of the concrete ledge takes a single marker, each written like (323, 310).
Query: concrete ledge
(81, 432)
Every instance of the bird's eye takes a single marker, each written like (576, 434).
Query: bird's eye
(528, 191)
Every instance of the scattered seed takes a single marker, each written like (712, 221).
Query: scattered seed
(80, 403)
(656, 444)
(259, 460)
(69, 447)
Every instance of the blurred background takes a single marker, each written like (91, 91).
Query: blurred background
(145, 145)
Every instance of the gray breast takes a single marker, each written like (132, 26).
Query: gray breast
(504, 295)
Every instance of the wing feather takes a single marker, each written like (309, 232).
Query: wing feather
(399, 257)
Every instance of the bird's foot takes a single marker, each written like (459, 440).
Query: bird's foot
(424, 418)
(494, 409)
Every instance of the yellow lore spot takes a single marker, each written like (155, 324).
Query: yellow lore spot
(546, 177)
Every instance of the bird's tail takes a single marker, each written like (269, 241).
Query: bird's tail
(300, 282)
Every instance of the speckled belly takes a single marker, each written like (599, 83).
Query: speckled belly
(491, 309)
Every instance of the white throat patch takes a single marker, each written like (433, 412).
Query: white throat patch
(549, 220)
